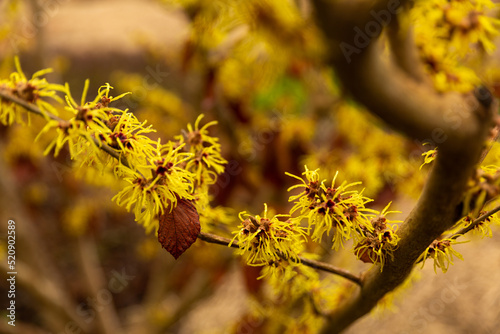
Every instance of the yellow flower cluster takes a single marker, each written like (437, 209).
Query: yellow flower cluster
(151, 195)
(207, 161)
(99, 135)
(442, 252)
(369, 153)
(327, 209)
(269, 241)
(90, 125)
(249, 44)
(181, 169)
(483, 187)
(448, 31)
(482, 228)
(30, 90)
(330, 209)
(379, 244)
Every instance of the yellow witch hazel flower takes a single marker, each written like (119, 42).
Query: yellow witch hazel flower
(482, 228)
(429, 157)
(268, 241)
(468, 24)
(149, 196)
(29, 90)
(129, 138)
(159, 175)
(207, 160)
(442, 252)
(462, 23)
(450, 35)
(481, 188)
(90, 125)
(330, 209)
(379, 243)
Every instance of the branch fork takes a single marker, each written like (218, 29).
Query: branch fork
(400, 94)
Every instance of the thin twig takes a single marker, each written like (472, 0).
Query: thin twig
(331, 269)
(475, 223)
(28, 106)
(34, 109)
(215, 239)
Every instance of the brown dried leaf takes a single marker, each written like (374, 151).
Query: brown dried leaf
(179, 228)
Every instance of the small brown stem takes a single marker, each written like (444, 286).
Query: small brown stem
(215, 239)
(475, 223)
(28, 106)
(331, 269)
(34, 109)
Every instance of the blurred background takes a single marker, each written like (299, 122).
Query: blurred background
(85, 266)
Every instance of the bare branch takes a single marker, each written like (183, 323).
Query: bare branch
(331, 269)
(382, 86)
(215, 239)
(28, 106)
(415, 109)
(34, 109)
(475, 223)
